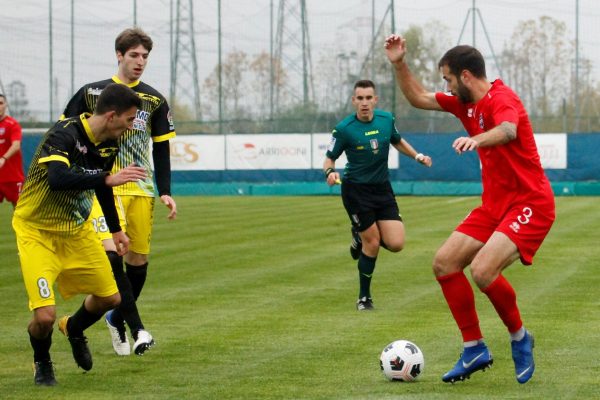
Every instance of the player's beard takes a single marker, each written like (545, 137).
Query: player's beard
(464, 94)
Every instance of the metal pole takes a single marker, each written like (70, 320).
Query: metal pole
(271, 66)
(577, 110)
(304, 60)
(474, 23)
(172, 53)
(373, 39)
(72, 48)
(50, 61)
(134, 12)
(393, 30)
(220, 70)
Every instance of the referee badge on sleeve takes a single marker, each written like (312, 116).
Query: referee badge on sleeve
(331, 144)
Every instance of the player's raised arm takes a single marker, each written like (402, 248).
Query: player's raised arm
(415, 93)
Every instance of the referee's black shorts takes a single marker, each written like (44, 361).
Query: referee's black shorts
(367, 203)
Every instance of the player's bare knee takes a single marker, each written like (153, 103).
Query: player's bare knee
(370, 243)
(43, 321)
(394, 247)
(439, 264)
(134, 259)
(481, 276)
(110, 302)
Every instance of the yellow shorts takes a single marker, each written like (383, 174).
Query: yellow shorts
(136, 216)
(76, 262)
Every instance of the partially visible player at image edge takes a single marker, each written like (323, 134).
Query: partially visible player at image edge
(11, 158)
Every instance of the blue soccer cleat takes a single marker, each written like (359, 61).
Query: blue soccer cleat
(522, 354)
(476, 358)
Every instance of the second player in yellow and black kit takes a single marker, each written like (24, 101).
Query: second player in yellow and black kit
(135, 201)
(55, 238)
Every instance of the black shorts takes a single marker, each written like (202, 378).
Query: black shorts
(368, 203)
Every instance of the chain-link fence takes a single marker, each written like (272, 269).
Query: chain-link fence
(289, 65)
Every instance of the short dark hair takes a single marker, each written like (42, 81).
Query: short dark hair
(130, 38)
(117, 97)
(464, 57)
(364, 83)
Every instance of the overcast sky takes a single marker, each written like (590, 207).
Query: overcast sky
(334, 25)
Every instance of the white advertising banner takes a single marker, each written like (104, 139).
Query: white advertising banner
(553, 150)
(198, 152)
(321, 142)
(268, 151)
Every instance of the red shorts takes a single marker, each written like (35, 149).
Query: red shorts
(525, 223)
(10, 191)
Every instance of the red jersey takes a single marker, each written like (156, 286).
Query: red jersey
(510, 172)
(10, 131)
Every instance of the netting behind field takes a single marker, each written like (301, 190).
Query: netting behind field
(320, 50)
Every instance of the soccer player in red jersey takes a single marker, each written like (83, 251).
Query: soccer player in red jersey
(11, 160)
(517, 208)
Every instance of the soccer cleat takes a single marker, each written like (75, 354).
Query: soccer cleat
(44, 373)
(79, 347)
(364, 304)
(522, 354)
(356, 244)
(120, 342)
(473, 359)
(144, 342)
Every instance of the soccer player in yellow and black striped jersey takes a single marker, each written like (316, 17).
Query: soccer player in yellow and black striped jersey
(55, 238)
(135, 201)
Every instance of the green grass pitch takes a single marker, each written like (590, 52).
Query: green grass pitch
(253, 298)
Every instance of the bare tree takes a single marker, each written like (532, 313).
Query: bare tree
(233, 70)
(536, 64)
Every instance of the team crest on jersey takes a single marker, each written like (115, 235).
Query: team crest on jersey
(82, 149)
(2, 130)
(94, 91)
(481, 121)
(374, 145)
(141, 119)
(107, 151)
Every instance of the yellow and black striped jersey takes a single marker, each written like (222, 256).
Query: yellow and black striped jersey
(153, 122)
(69, 141)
